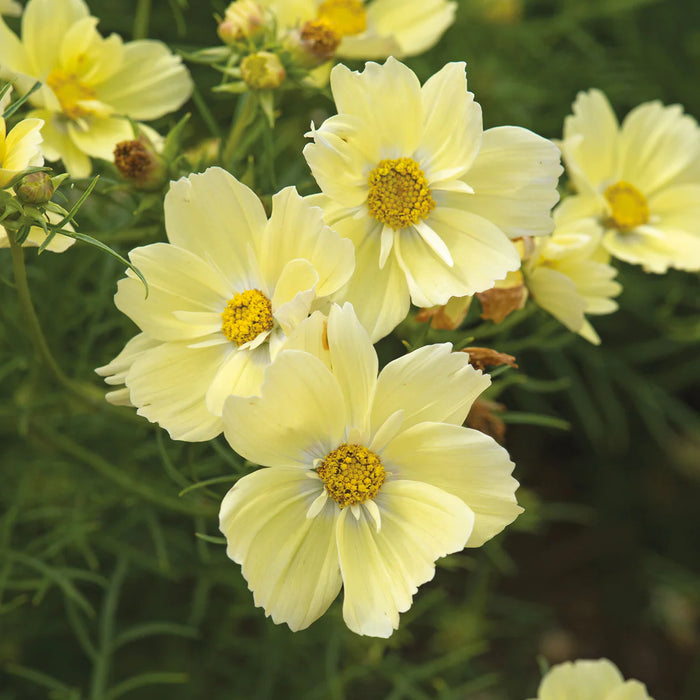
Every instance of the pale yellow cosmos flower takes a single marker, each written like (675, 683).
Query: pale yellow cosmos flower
(589, 680)
(568, 273)
(430, 200)
(89, 82)
(369, 478)
(639, 179)
(224, 293)
(370, 30)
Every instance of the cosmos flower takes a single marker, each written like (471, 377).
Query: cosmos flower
(429, 199)
(90, 83)
(367, 30)
(589, 680)
(223, 295)
(369, 478)
(640, 180)
(568, 273)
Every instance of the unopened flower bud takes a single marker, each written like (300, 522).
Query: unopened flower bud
(35, 188)
(314, 43)
(262, 71)
(138, 162)
(242, 20)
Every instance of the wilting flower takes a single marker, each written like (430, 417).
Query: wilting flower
(568, 273)
(368, 30)
(223, 295)
(640, 180)
(369, 480)
(589, 680)
(429, 199)
(89, 82)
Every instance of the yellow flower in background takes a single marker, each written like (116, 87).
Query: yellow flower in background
(20, 148)
(368, 30)
(10, 7)
(430, 200)
(369, 478)
(223, 296)
(639, 179)
(568, 273)
(89, 82)
(589, 680)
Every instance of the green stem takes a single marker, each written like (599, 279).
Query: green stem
(142, 19)
(41, 347)
(245, 114)
(116, 474)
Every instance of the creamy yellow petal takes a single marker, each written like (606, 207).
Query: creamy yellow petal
(515, 178)
(379, 296)
(416, 25)
(582, 680)
(656, 144)
(44, 25)
(353, 363)
(150, 82)
(590, 144)
(100, 136)
(289, 561)
(387, 98)
(428, 384)
(463, 462)
(178, 281)
(241, 374)
(382, 569)
(58, 144)
(631, 690)
(267, 431)
(217, 217)
(368, 45)
(556, 293)
(297, 230)
(169, 384)
(294, 293)
(115, 371)
(453, 127)
(481, 251)
(20, 148)
(646, 245)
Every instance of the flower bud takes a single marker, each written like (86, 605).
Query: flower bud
(35, 188)
(139, 164)
(242, 20)
(262, 71)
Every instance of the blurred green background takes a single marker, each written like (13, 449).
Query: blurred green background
(106, 592)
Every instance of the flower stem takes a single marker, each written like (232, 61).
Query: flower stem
(245, 114)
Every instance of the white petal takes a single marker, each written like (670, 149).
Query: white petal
(299, 417)
(462, 462)
(428, 384)
(382, 569)
(289, 561)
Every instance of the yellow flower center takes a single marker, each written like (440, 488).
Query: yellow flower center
(246, 316)
(628, 206)
(70, 92)
(398, 193)
(352, 474)
(347, 17)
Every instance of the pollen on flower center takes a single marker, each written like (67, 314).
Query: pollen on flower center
(352, 474)
(321, 38)
(628, 206)
(347, 17)
(246, 316)
(398, 193)
(70, 92)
